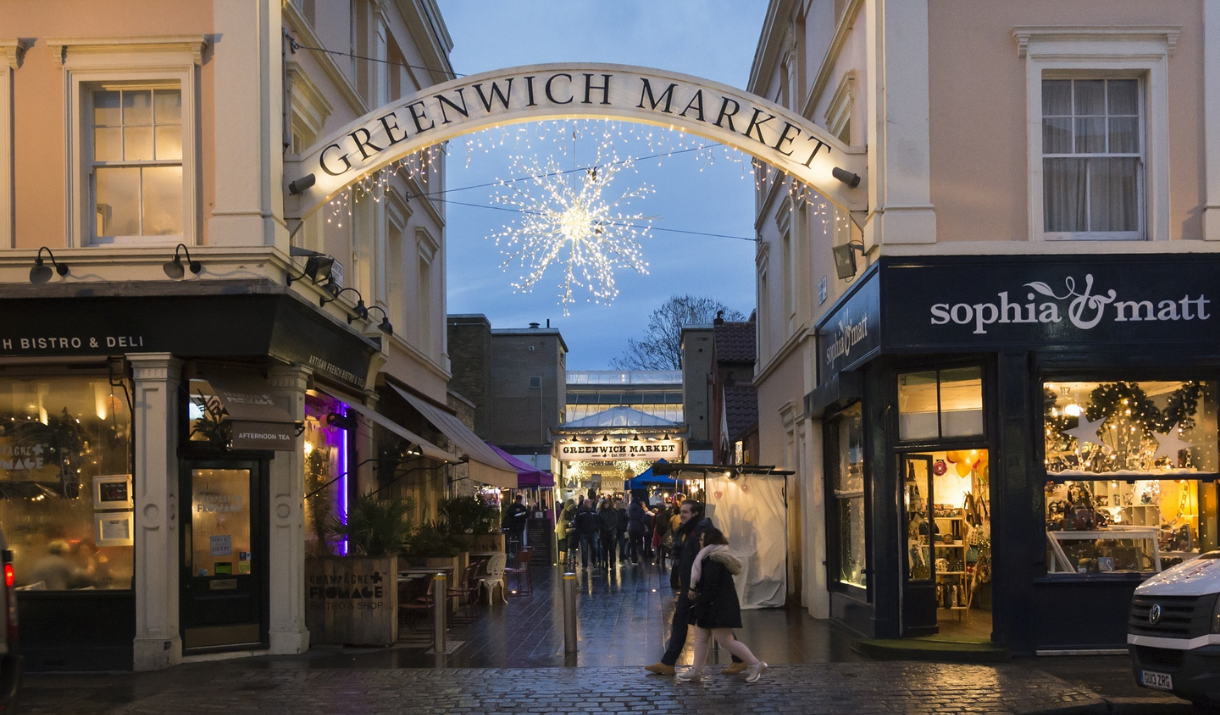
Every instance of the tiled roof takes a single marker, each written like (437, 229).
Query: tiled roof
(740, 410)
(734, 342)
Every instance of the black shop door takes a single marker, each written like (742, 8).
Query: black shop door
(918, 536)
(224, 554)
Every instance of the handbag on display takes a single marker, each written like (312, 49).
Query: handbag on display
(972, 555)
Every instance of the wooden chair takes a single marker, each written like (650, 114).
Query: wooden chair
(410, 609)
(493, 577)
(521, 568)
(467, 590)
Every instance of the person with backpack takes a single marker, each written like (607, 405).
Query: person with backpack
(637, 528)
(608, 518)
(715, 608)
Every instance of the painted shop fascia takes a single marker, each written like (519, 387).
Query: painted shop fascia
(1026, 324)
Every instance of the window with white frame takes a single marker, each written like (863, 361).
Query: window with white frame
(131, 160)
(1092, 165)
(135, 166)
(1097, 102)
(424, 296)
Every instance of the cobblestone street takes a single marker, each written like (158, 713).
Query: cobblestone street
(511, 661)
(234, 688)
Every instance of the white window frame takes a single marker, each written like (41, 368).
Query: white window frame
(428, 251)
(1075, 52)
(89, 63)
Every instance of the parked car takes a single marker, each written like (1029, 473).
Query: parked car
(1173, 633)
(10, 653)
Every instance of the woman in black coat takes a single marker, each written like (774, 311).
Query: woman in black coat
(716, 610)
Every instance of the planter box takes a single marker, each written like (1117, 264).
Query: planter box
(483, 543)
(351, 600)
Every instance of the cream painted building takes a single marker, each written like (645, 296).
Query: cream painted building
(174, 431)
(1000, 399)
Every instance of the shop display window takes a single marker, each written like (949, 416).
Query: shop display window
(940, 403)
(848, 435)
(1142, 526)
(325, 445)
(1132, 430)
(66, 482)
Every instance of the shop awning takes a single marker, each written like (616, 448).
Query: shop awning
(255, 421)
(648, 476)
(485, 465)
(427, 448)
(528, 476)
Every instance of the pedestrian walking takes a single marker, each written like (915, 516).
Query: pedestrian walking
(563, 524)
(715, 608)
(608, 518)
(587, 526)
(621, 530)
(692, 524)
(637, 528)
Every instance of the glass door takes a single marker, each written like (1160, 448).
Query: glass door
(223, 550)
(919, 526)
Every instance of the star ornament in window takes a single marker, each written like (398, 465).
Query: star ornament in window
(572, 219)
(1170, 445)
(1086, 432)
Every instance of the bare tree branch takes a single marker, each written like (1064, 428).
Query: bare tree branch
(661, 347)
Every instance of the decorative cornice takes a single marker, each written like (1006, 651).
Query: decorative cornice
(1024, 34)
(308, 102)
(190, 44)
(13, 51)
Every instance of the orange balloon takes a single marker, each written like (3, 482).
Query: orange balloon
(984, 474)
(955, 457)
(982, 458)
(964, 469)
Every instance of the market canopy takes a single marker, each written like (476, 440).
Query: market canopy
(485, 465)
(528, 476)
(648, 476)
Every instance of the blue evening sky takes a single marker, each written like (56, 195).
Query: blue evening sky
(714, 39)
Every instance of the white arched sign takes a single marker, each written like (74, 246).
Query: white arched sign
(714, 111)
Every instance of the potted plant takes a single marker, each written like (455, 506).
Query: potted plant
(431, 546)
(473, 521)
(353, 599)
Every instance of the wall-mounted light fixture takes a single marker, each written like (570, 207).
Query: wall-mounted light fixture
(174, 269)
(845, 259)
(360, 311)
(41, 273)
(299, 186)
(384, 326)
(318, 266)
(851, 179)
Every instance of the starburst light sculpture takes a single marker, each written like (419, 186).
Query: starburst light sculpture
(567, 219)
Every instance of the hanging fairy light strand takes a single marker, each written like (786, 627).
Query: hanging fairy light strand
(567, 214)
(571, 219)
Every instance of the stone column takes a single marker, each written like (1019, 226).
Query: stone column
(158, 643)
(286, 577)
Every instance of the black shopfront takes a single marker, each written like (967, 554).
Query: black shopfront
(70, 429)
(1013, 443)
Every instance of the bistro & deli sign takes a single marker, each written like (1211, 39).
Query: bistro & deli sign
(609, 451)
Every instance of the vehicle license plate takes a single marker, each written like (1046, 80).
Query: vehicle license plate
(1160, 681)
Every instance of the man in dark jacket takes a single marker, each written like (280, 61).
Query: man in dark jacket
(686, 548)
(514, 521)
(621, 530)
(588, 526)
(637, 527)
(609, 525)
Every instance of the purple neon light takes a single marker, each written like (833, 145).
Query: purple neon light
(343, 481)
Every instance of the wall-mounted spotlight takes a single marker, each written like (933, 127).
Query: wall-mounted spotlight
(318, 266)
(845, 259)
(174, 269)
(300, 185)
(852, 180)
(384, 326)
(41, 273)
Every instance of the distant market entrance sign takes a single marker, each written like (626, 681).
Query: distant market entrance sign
(599, 450)
(708, 109)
